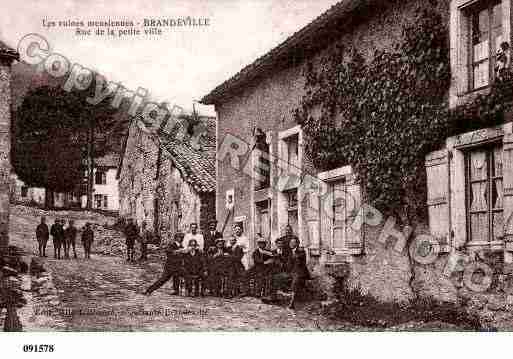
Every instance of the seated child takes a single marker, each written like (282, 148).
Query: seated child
(194, 268)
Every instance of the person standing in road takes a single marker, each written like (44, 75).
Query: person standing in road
(70, 236)
(131, 234)
(57, 233)
(87, 240)
(42, 236)
(145, 237)
(236, 271)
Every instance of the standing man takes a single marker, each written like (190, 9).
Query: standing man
(131, 234)
(57, 233)
(145, 238)
(173, 267)
(87, 239)
(243, 241)
(70, 236)
(42, 236)
(236, 271)
(211, 236)
(194, 234)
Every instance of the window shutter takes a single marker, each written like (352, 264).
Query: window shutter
(354, 237)
(438, 197)
(326, 214)
(508, 190)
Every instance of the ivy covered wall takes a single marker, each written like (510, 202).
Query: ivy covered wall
(382, 113)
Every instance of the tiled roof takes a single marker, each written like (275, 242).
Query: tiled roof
(197, 166)
(109, 160)
(7, 51)
(302, 44)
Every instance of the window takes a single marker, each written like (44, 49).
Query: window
(98, 200)
(292, 154)
(486, 34)
(24, 191)
(292, 209)
(337, 192)
(105, 201)
(262, 167)
(484, 199)
(100, 177)
(340, 205)
(263, 219)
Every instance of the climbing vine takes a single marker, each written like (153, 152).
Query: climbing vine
(385, 114)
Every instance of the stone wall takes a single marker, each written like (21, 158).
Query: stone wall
(5, 149)
(161, 198)
(268, 103)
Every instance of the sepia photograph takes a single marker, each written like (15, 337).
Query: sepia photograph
(256, 166)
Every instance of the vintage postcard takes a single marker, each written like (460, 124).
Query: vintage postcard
(273, 165)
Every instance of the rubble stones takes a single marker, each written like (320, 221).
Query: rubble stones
(36, 266)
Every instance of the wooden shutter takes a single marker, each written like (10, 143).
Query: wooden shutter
(354, 237)
(507, 161)
(438, 196)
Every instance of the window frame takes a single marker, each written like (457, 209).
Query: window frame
(330, 178)
(469, 11)
(103, 177)
(489, 149)
(98, 197)
(331, 185)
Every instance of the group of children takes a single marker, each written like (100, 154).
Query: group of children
(63, 238)
(218, 269)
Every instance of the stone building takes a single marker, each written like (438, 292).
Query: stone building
(105, 183)
(166, 182)
(255, 121)
(105, 189)
(7, 56)
(21, 193)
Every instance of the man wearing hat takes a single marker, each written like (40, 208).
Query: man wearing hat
(261, 270)
(210, 237)
(42, 235)
(87, 240)
(57, 232)
(173, 267)
(194, 268)
(218, 267)
(131, 234)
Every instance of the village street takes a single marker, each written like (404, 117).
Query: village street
(105, 293)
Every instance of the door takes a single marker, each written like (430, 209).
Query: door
(263, 219)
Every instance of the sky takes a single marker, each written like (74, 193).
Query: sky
(179, 66)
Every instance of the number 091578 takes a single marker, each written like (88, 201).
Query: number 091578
(38, 348)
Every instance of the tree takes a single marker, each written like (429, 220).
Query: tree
(53, 138)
